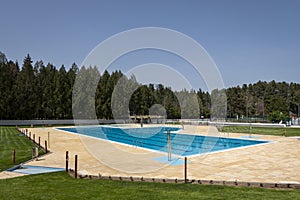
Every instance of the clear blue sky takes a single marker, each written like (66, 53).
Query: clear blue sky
(249, 40)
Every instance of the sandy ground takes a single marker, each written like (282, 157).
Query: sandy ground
(277, 161)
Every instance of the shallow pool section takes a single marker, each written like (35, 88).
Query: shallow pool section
(29, 169)
(156, 139)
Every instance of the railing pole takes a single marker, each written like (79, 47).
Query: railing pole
(185, 169)
(14, 156)
(46, 146)
(169, 146)
(76, 162)
(67, 161)
(49, 139)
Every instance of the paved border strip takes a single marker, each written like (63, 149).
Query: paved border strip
(190, 181)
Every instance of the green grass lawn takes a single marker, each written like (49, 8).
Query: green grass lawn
(11, 139)
(262, 130)
(61, 186)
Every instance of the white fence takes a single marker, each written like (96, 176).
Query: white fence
(52, 122)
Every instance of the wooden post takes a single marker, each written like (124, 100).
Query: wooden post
(185, 169)
(250, 129)
(33, 153)
(36, 152)
(34, 138)
(46, 146)
(141, 122)
(76, 159)
(39, 141)
(67, 161)
(169, 146)
(49, 139)
(14, 156)
(29, 135)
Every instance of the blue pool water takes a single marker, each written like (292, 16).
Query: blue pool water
(29, 169)
(156, 139)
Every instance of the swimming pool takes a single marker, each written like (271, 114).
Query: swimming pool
(155, 138)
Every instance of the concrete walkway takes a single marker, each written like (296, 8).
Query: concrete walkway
(6, 175)
(277, 161)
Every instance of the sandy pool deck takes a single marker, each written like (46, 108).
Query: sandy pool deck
(278, 161)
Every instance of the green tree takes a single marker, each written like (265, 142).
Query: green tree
(103, 97)
(121, 96)
(71, 75)
(4, 86)
(61, 91)
(84, 89)
(25, 91)
(277, 116)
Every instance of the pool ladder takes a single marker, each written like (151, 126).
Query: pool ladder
(138, 143)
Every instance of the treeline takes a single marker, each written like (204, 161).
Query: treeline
(116, 96)
(264, 99)
(35, 91)
(38, 91)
